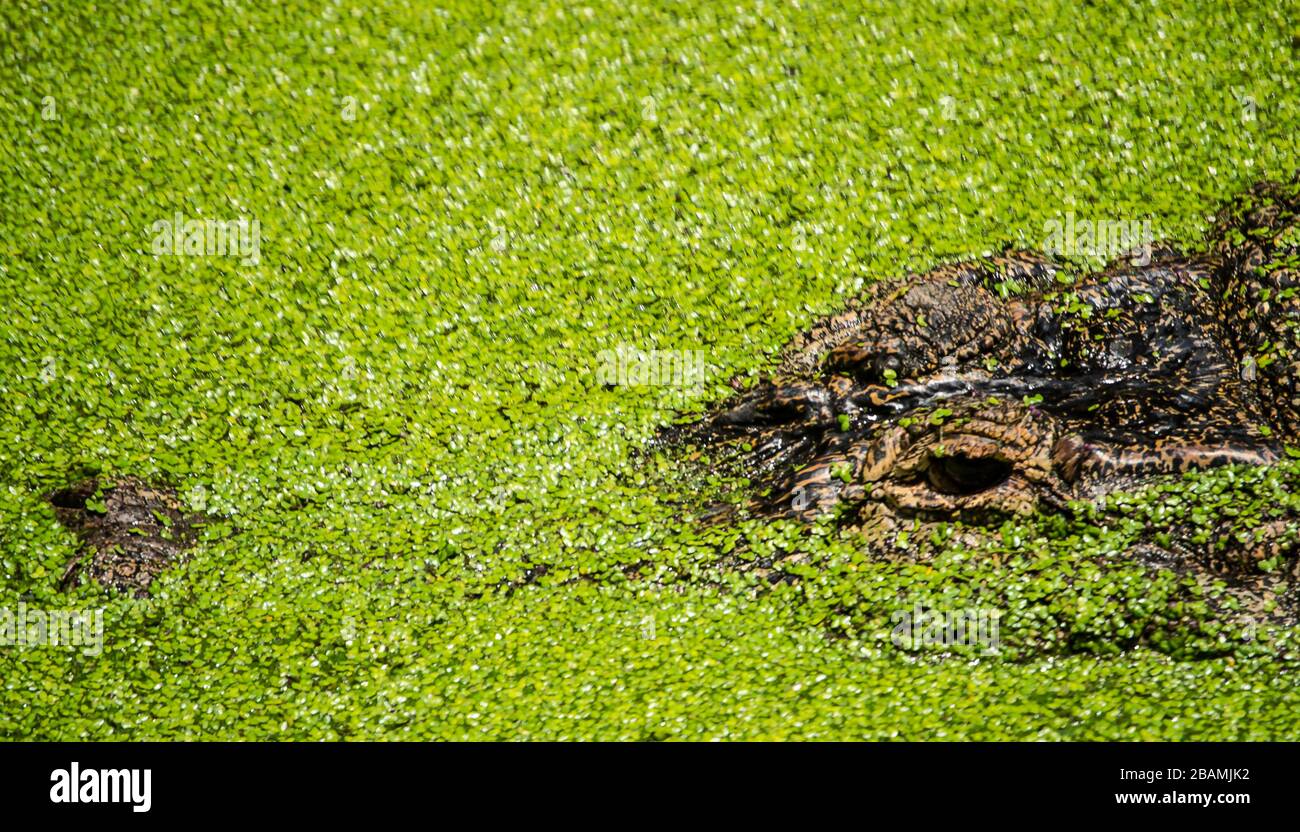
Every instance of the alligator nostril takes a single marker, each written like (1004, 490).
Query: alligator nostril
(888, 364)
(959, 474)
(74, 497)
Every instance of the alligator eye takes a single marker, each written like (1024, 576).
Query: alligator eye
(959, 474)
(867, 362)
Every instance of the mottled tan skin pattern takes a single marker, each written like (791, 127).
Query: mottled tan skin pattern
(141, 531)
(1005, 386)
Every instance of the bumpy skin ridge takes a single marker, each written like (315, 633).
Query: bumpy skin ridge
(1003, 386)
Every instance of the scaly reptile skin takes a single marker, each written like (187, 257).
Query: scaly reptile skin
(1005, 386)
